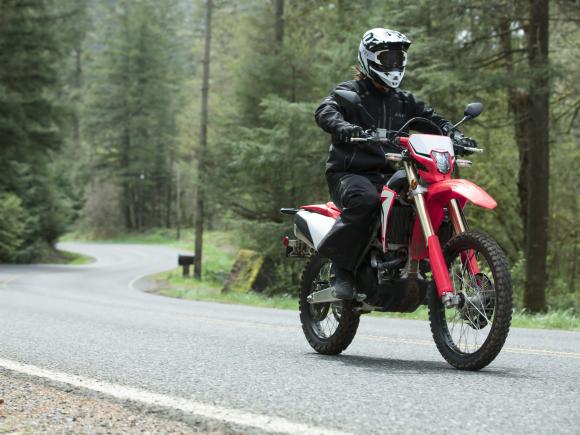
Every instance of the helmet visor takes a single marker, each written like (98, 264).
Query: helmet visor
(392, 59)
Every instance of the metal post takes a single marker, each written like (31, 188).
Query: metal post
(178, 202)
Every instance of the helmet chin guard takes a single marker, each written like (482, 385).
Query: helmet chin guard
(392, 79)
(382, 56)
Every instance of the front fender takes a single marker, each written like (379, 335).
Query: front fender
(462, 190)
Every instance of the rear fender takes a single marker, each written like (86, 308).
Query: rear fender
(312, 227)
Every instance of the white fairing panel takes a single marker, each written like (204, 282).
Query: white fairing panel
(425, 143)
(387, 199)
(318, 225)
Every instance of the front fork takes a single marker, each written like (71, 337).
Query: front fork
(436, 259)
(459, 226)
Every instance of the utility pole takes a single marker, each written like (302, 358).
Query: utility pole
(178, 201)
(200, 196)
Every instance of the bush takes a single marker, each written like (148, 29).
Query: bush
(13, 227)
(101, 216)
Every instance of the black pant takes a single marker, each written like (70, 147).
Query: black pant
(358, 196)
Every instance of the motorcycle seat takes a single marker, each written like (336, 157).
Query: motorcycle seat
(328, 209)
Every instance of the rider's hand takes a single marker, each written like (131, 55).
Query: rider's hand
(460, 142)
(346, 132)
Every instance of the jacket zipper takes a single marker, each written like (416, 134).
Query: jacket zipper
(384, 117)
(390, 113)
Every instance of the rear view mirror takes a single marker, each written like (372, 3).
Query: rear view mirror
(351, 99)
(348, 98)
(472, 110)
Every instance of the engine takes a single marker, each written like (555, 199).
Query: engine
(380, 278)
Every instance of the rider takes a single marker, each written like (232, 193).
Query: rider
(356, 171)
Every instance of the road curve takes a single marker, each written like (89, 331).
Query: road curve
(91, 321)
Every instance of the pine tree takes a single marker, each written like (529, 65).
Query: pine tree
(131, 110)
(31, 52)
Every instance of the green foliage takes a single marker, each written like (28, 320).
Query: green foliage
(459, 54)
(12, 226)
(101, 216)
(31, 122)
(99, 106)
(172, 284)
(131, 109)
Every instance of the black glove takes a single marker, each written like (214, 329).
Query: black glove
(346, 132)
(460, 141)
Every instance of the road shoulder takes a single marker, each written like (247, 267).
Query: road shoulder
(35, 405)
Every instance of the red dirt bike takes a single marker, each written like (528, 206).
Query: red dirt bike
(466, 284)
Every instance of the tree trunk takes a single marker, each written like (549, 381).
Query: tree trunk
(518, 102)
(279, 24)
(199, 213)
(538, 158)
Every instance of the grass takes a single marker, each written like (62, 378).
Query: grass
(219, 248)
(554, 319)
(219, 255)
(174, 285)
(166, 237)
(57, 256)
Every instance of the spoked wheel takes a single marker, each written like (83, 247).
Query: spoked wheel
(471, 335)
(328, 327)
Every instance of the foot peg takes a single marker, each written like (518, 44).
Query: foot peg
(329, 295)
(360, 297)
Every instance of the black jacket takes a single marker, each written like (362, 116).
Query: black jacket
(390, 109)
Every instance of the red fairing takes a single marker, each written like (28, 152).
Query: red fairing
(430, 173)
(328, 209)
(438, 196)
(443, 191)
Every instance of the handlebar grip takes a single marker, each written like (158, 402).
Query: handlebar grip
(394, 157)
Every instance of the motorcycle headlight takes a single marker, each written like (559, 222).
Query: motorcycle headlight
(442, 160)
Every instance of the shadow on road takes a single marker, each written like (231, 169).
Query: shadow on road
(414, 367)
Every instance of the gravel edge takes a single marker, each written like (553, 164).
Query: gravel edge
(31, 405)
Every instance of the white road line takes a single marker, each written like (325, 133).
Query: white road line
(238, 417)
(9, 280)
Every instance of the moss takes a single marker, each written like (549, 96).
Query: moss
(245, 272)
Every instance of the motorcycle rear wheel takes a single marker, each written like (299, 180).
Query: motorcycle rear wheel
(328, 327)
(471, 335)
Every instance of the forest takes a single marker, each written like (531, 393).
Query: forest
(102, 128)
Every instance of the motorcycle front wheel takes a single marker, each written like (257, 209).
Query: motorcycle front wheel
(328, 327)
(470, 336)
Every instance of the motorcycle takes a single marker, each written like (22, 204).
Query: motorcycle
(466, 284)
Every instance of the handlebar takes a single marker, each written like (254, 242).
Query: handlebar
(370, 139)
(473, 150)
(397, 142)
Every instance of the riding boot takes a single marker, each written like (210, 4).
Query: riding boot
(343, 284)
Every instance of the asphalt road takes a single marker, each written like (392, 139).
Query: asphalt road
(91, 321)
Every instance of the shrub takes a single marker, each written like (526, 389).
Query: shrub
(13, 227)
